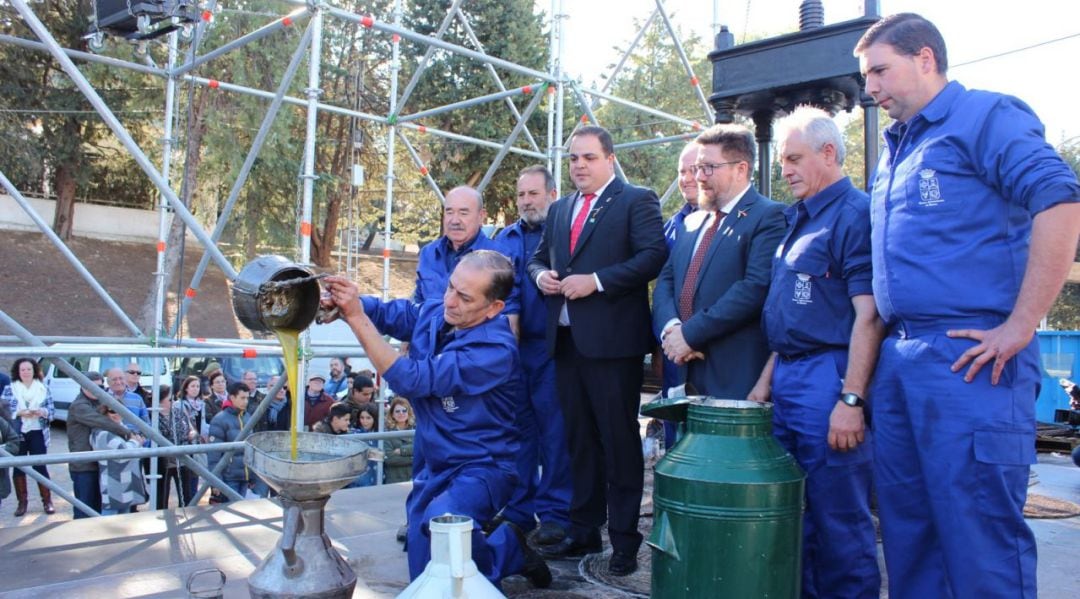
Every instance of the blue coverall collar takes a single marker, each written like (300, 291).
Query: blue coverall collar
(820, 200)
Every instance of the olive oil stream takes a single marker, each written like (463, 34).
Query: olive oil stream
(290, 339)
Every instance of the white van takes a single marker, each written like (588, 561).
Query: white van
(64, 389)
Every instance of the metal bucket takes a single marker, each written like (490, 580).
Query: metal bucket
(262, 306)
(727, 504)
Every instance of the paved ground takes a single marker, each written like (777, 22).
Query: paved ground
(152, 553)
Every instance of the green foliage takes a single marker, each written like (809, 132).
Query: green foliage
(1065, 313)
(508, 29)
(655, 77)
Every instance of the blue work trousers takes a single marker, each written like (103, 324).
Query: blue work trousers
(477, 493)
(952, 469)
(839, 547)
(543, 462)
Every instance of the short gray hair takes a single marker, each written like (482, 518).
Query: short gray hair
(469, 190)
(817, 128)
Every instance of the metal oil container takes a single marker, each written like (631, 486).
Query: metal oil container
(728, 503)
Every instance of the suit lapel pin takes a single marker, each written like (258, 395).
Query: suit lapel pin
(742, 213)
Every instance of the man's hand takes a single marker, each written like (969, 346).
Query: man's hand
(846, 427)
(761, 392)
(548, 282)
(578, 286)
(344, 294)
(677, 349)
(999, 344)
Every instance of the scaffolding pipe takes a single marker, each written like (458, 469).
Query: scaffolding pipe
(625, 56)
(268, 29)
(87, 56)
(559, 94)
(69, 255)
(681, 52)
(627, 103)
(113, 403)
(121, 133)
(425, 171)
(373, 23)
(458, 137)
(655, 141)
(494, 75)
(46, 482)
(670, 189)
(521, 124)
(422, 66)
(159, 273)
(388, 208)
(235, 351)
(245, 169)
(520, 91)
(51, 459)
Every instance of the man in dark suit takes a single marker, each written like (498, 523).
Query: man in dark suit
(709, 296)
(602, 245)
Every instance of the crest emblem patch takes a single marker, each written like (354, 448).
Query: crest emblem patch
(929, 188)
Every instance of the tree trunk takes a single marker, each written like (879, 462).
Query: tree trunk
(64, 218)
(174, 241)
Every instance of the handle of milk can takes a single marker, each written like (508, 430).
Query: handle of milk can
(661, 537)
(292, 524)
(667, 408)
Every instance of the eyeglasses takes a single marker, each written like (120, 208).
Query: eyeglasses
(708, 169)
(401, 410)
(134, 372)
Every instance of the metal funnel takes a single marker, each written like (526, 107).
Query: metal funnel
(324, 463)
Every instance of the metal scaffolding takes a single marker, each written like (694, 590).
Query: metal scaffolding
(551, 85)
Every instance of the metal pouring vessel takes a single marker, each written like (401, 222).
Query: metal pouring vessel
(271, 292)
(304, 563)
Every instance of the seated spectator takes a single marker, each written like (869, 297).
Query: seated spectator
(225, 428)
(397, 465)
(121, 481)
(316, 402)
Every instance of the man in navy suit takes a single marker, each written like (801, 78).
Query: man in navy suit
(602, 245)
(708, 299)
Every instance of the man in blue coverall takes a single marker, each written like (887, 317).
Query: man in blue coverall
(974, 227)
(462, 376)
(824, 333)
(542, 494)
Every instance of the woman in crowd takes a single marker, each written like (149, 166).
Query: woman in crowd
(217, 396)
(336, 421)
(367, 417)
(174, 426)
(122, 485)
(31, 407)
(194, 410)
(397, 465)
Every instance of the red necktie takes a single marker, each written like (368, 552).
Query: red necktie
(686, 296)
(579, 220)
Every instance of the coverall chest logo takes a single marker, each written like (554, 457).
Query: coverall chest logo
(448, 405)
(929, 188)
(803, 289)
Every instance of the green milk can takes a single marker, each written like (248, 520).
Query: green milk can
(727, 504)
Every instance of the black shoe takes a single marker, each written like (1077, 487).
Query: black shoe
(548, 533)
(622, 564)
(568, 548)
(535, 570)
(402, 532)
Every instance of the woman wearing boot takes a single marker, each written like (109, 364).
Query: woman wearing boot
(32, 409)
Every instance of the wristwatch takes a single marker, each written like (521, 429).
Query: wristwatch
(853, 400)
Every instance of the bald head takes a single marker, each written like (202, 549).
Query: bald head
(463, 213)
